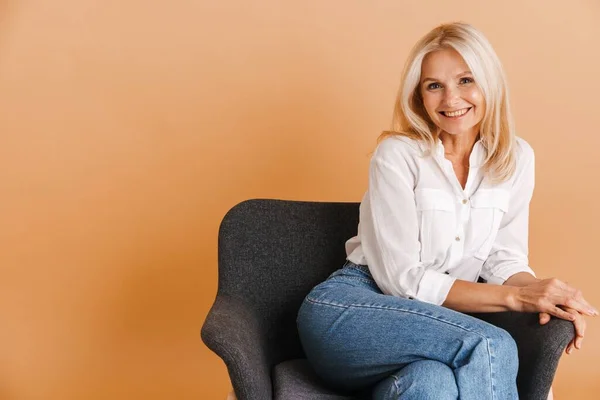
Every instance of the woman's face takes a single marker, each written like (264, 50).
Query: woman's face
(451, 98)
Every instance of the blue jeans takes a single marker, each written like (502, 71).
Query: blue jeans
(356, 337)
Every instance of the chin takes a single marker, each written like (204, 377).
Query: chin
(456, 130)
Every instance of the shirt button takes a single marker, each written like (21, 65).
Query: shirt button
(457, 238)
(465, 201)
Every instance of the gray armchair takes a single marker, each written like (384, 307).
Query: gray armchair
(271, 253)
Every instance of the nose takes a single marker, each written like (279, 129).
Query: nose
(451, 96)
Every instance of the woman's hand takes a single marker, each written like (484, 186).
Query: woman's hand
(580, 326)
(548, 295)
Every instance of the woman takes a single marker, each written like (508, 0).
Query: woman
(443, 233)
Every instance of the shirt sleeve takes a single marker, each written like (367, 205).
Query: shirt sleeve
(389, 231)
(509, 253)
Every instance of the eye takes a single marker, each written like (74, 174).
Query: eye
(465, 80)
(433, 86)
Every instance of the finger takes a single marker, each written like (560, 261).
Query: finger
(579, 331)
(579, 306)
(577, 295)
(593, 310)
(559, 313)
(569, 347)
(580, 327)
(544, 318)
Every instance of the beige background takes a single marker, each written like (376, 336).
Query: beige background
(128, 128)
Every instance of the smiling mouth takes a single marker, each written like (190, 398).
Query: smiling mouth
(455, 114)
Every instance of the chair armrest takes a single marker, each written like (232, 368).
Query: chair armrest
(540, 354)
(235, 334)
(540, 348)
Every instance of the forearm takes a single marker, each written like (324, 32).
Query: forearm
(467, 296)
(521, 279)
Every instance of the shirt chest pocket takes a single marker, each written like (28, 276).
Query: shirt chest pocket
(436, 213)
(488, 207)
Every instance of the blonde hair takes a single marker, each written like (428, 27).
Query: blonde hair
(497, 131)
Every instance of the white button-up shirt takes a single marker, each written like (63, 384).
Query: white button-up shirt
(419, 230)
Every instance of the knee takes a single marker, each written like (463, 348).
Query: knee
(437, 381)
(425, 379)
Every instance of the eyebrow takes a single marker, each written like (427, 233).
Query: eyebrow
(457, 76)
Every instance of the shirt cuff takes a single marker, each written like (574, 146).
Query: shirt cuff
(501, 275)
(434, 287)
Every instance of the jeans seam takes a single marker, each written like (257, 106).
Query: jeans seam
(396, 385)
(488, 343)
(365, 280)
(310, 300)
(394, 309)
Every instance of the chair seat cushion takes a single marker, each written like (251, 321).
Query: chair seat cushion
(296, 380)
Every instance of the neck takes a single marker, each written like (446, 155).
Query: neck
(459, 146)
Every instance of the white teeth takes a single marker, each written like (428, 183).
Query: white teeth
(456, 113)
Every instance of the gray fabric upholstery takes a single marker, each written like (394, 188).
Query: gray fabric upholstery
(271, 253)
(295, 379)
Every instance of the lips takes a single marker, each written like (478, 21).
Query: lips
(456, 113)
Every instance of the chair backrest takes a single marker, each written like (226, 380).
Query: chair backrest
(272, 252)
